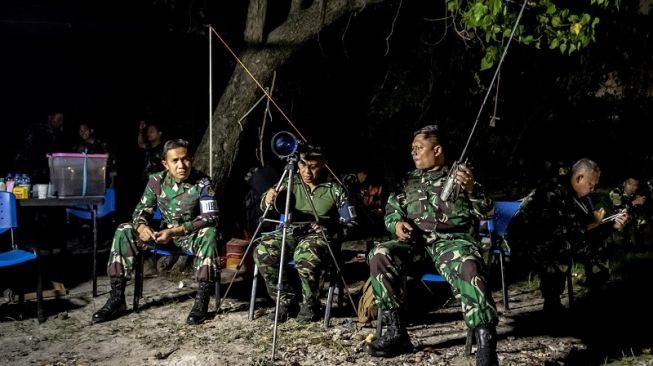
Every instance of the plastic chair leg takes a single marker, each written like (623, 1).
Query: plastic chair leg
(469, 341)
(504, 286)
(39, 291)
(218, 278)
(570, 284)
(252, 298)
(329, 302)
(138, 281)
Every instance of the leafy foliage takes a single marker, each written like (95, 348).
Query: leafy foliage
(559, 25)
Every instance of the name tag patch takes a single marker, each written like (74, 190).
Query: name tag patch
(208, 206)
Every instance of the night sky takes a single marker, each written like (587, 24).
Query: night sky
(111, 63)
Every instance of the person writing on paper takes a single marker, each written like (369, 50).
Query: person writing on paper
(552, 226)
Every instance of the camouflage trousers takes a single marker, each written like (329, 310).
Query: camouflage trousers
(311, 256)
(126, 246)
(456, 258)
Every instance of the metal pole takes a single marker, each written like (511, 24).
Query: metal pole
(210, 102)
(282, 263)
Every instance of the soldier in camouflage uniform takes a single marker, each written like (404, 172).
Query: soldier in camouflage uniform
(306, 243)
(552, 225)
(188, 208)
(424, 225)
(629, 197)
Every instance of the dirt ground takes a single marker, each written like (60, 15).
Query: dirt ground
(613, 327)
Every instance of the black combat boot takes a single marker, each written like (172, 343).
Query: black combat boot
(309, 312)
(116, 305)
(486, 354)
(198, 313)
(395, 341)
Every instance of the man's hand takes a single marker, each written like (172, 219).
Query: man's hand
(403, 230)
(166, 235)
(465, 178)
(163, 236)
(599, 215)
(621, 220)
(639, 200)
(145, 233)
(269, 196)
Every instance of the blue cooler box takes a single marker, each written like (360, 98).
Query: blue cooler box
(78, 174)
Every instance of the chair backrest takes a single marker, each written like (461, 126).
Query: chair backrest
(8, 217)
(504, 211)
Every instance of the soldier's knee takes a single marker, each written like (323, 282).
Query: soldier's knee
(379, 262)
(469, 270)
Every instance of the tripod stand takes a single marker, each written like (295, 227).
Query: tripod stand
(288, 176)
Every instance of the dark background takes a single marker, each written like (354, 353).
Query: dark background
(112, 63)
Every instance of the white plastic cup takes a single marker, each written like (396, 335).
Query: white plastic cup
(42, 191)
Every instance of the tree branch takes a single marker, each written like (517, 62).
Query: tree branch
(255, 24)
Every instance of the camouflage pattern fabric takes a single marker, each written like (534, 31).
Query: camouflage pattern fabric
(444, 231)
(190, 204)
(638, 229)
(550, 225)
(307, 248)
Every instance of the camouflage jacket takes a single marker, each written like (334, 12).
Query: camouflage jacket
(327, 197)
(418, 202)
(190, 204)
(551, 217)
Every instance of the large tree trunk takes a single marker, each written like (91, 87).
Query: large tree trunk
(262, 59)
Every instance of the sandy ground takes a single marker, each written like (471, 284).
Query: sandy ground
(158, 335)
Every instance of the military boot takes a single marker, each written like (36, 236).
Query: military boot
(309, 312)
(486, 354)
(395, 341)
(198, 313)
(116, 305)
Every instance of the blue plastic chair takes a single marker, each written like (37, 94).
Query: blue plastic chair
(497, 225)
(15, 256)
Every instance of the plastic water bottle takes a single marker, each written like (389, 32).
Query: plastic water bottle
(27, 182)
(10, 182)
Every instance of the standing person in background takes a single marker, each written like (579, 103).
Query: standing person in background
(149, 140)
(89, 144)
(41, 139)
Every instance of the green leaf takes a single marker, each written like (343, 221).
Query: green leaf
(556, 21)
(563, 47)
(553, 44)
(551, 9)
(585, 18)
(489, 58)
(572, 48)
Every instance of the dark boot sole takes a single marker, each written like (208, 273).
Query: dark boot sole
(114, 316)
(394, 351)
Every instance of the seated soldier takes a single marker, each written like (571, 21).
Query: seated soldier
(306, 243)
(188, 208)
(426, 226)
